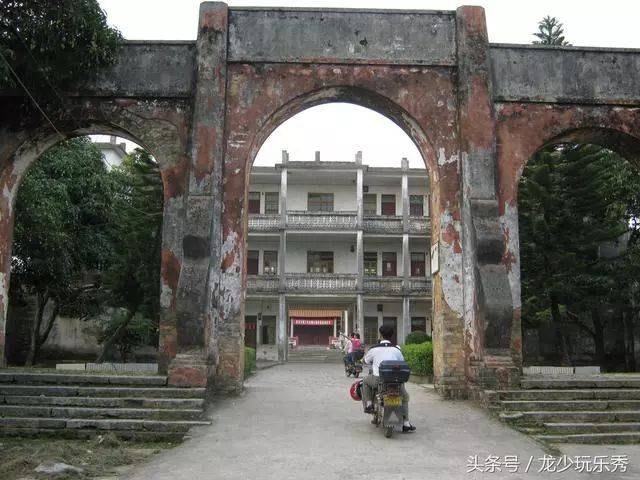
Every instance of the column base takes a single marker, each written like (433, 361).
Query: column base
(453, 388)
(497, 372)
(188, 370)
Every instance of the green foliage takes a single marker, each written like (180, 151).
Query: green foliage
(249, 361)
(132, 278)
(550, 32)
(89, 240)
(568, 208)
(417, 337)
(54, 43)
(419, 356)
(129, 331)
(575, 203)
(63, 210)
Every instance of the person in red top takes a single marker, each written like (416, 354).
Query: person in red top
(357, 352)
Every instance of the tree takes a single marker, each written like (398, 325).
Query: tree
(61, 237)
(570, 209)
(51, 45)
(133, 276)
(550, 32)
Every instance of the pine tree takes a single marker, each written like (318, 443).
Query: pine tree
(567, 212)
(550, 32)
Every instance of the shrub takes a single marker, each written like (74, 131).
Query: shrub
(419, 356)
(417, 337)
(249, 361)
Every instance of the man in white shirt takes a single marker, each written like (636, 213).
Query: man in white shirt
(384, 350)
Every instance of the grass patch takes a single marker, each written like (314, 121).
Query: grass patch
(104, 455)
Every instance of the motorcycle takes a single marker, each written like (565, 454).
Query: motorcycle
(387, 400)
(353, 368)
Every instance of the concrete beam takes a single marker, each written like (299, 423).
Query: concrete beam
(391, 37)
(582, 75)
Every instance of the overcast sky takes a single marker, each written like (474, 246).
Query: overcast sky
(339, 130)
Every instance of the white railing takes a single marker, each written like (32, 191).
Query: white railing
(320, 282)
(262, 283)
(382, 223)
(301, 220)
(419, 225)
(264, 222)
(419, 286)
(383, 285)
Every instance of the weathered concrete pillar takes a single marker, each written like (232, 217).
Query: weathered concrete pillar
(359, 190)
(406, 262)
(359, 321)
(405, 322)
(360, 260)
(405, 195)
(259, 329)
(489, 312)
(197, 300)
(281, 329)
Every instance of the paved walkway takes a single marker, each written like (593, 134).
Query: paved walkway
(297, 422)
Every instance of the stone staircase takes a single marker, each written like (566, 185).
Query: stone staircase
(133, 407)
(315, 355)
(593, 409)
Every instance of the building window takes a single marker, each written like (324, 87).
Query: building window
(270, 263)
(418, 265)
(370, 203)
(271, 202)
(320, 202)
(254, 202)
(388, 204)
(320, 262)
(371, 264)
(252, 262)
(418, 324)
(389, 264)
(416, 205)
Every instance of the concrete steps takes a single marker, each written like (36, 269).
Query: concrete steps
(72, 405)
(580, 409)
(315, 355)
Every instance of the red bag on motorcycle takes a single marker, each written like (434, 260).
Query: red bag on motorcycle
(356, 390)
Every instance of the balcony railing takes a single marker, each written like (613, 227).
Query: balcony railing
(301, 220)
(383, 285)
(264, 222)
(320, 282)
(263, 283)
(337, 283)
(382, 223)
(419, 225)
(419, 286)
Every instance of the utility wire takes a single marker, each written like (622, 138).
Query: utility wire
(24, 87)
(46, 78)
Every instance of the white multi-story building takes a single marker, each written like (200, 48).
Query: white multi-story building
(335, 247)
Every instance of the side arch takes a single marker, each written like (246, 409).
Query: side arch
(162, 137)
(523, 129)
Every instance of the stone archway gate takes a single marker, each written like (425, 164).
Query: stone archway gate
(476, 111)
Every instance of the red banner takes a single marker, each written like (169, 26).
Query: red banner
(249, 326)
(314, 321)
